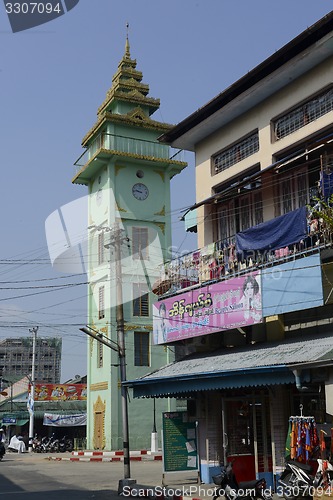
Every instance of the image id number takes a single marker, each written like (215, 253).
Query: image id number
(32, 8)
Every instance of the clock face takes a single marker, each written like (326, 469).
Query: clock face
(140, 191)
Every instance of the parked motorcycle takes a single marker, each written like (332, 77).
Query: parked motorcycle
(52, 444)
(45, 444)
(36, 445)
(298, 479)
(229, 487)
(2, 450)
(65, 444)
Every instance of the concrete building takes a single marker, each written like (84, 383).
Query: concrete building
(127, 172)
(250, 312)
(16, 359)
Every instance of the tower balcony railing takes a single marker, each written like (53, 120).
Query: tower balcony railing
(128, 145)
(220, 261)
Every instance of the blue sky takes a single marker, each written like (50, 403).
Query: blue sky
(54, 77)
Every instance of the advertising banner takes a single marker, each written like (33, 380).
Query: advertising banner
(56, 420)
(229, 304)
(60, 392)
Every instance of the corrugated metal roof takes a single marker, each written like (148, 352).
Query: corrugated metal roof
(286, 353)
(235, 367)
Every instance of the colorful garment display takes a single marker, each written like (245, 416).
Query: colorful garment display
(302, 440)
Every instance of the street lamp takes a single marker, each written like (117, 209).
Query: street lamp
(122, 364)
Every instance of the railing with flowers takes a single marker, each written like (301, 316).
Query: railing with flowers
(220, 260)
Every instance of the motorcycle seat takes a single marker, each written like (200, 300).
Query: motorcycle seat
(248, 485)
(305, 467)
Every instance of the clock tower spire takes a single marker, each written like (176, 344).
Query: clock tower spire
(128, 173)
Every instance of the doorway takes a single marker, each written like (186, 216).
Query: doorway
(247, 436)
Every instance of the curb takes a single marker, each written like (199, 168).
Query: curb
(108, 456)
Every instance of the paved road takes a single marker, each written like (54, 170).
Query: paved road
(35, 477)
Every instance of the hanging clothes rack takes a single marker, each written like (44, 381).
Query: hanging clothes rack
(303, 437)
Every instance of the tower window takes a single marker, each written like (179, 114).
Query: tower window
(141, 348)
(140, 299)
(101, 302)
(140, 242)
(99, 354)
(100, 248)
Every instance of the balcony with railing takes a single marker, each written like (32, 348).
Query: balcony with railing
(117, 144)
(221, 260)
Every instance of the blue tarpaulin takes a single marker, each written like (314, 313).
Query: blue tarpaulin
(273, 234)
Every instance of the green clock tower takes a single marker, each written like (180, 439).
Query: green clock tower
(128, 175)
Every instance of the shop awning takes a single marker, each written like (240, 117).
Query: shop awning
(18, 410)
(250, 366)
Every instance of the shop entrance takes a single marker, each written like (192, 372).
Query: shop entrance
(246, 437)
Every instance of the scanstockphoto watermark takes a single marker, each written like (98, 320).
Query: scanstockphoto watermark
(76, 246)
(24, 15)
(193, 490)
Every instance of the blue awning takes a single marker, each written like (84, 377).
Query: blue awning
(183, 385)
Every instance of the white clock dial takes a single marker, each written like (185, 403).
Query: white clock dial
(140, 191)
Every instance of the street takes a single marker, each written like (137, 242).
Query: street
(35, 477)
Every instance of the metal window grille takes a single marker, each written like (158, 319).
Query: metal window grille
(101, 302)
(140, 242)
(236, 153)
(140, 300)
(141, 348)
(100, 248)
(301, 116)
(99, 354)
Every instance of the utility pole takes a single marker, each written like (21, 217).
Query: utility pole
(121, 345)
(34, 331)
(117, 238)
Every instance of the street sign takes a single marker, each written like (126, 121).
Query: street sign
(9, 420)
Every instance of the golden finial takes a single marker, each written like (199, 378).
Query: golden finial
(127, 46)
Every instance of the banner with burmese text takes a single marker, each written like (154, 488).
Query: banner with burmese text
(229, 304)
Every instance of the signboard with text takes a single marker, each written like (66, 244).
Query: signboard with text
(180, 450)
(60, 392)
(233, 303)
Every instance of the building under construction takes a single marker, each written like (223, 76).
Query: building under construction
(16, 359)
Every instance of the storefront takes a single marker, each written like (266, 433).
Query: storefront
(242, 399)
(66, 417)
